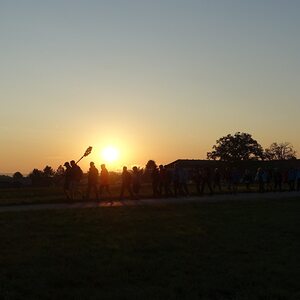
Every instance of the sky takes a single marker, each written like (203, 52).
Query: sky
(158, 80)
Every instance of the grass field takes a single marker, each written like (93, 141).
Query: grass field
(35, 195)
(229, 250)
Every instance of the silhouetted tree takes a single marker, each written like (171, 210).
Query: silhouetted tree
(281, 151)
(17, 179)
(36, 177)
(48, 172)
(18, 176)
(240, 146)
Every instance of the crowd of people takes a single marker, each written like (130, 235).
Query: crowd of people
(177, 181)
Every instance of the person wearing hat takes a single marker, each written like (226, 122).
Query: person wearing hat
(75, 177)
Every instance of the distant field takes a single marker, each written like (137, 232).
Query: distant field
(229, 250)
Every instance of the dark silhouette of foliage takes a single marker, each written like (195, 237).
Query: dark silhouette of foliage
(48, 172)
(42, 178)
(36, 177)
(17, 179)
(58, 175)
(237, 147)
(281, 151)
(18, 176)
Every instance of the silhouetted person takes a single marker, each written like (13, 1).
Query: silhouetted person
(292, 175)
(165, 178)
(104, 180)
(298, 179)
(217, 180)
(197, 179)
(267, 180)
(235, 179)
(259, 178)
(184, 181)
(67, 182)
(247, 179)
(126, 183)
(206, 180)
(277, 179)
(76, 175)
(155, 181)
(177, 181)
(180, 180)
(93, 176)
(228, 179)
(136, 182)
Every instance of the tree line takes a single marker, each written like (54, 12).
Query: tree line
(242, 146)
(230, 148)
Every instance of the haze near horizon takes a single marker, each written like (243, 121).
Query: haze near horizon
(156, 80)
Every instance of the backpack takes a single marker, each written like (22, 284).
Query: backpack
(79, 173)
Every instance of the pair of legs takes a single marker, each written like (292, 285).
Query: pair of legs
(208, 184)
(136, 191)
(104, 188)
(92, 187)
(75, 192)
(124, 188)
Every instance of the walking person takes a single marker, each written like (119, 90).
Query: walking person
(277, 179)
(247, 179)
(298, 180)
(229, 179)
(155, 181)
(168, 181)
(126, 183)
(206, 180)
(104, 181)
(164, 181)
(177, 181)
(235, 179)
(75, 178)
(136, 182)
(197, 179)
(93, 176)
(184, 182)
(292, 175)
(259, 178)
(217, 180)
(67, 182)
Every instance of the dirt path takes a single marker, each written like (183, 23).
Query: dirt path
(203, 199)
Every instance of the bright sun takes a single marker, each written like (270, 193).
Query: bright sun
(110, 154)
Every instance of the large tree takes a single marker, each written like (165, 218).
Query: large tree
(280, 151)
(240, 146)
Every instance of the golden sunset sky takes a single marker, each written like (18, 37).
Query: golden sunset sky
(157, 80)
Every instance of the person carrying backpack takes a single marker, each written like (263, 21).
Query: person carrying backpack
(75, 177)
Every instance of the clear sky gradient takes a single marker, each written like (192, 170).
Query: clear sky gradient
(159, 80)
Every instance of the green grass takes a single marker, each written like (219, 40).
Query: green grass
(232, 250)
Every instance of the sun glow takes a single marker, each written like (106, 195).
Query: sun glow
(110, 154)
